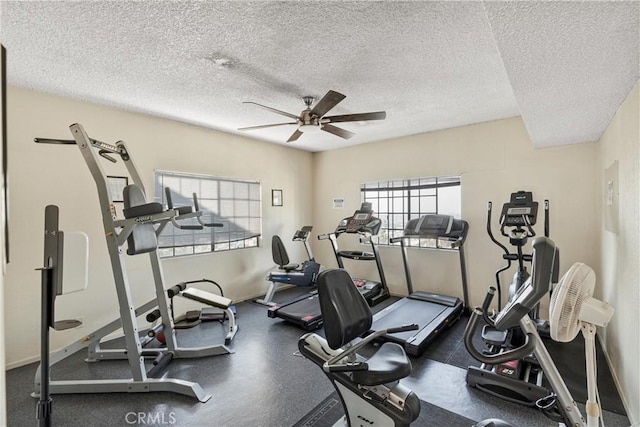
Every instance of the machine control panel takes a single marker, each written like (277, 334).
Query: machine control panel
(520, 206)
(362, 221)
(357, 221)
(303, 233)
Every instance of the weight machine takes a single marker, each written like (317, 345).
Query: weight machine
(139, 228)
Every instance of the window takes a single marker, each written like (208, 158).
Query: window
(233, 203)
(396, 202)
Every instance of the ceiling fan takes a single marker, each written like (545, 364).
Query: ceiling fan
(315, 117)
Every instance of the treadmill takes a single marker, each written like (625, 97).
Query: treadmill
(362, 222)
(305, 311)
(433, 313)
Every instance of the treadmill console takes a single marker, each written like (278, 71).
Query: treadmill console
(362, 221)
(429, 226)
(357, 221)
(521, 204)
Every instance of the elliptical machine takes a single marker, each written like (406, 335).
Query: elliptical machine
(518, 380)
(572, 309)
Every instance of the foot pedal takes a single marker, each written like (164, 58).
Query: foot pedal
(493, 336)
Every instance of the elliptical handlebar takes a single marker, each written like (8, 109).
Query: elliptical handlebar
(505, 256)
(495, 359)
(546, 217)
(490, 232)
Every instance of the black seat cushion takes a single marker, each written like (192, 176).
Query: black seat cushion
(390, 363)
(345, 312)
(279, 252)
(143, 236)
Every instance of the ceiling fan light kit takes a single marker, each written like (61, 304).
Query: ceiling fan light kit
(315, 118)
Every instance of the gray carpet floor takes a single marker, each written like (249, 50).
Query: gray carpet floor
(263, 383)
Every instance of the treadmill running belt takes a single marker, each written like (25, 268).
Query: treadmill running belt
(431, 318)
(305, 313)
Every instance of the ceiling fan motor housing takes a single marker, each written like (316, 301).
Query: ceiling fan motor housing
(316, 118)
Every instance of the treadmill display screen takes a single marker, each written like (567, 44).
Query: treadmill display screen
(361, 216)
(434, 221)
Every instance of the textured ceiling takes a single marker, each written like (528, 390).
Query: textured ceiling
(564, 66)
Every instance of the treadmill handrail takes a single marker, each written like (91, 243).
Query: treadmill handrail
(459, 239)
(455, 242)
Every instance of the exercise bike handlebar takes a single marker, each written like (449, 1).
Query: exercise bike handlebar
(332, 364)
(348, 367)
(403, 328)
(517, 353)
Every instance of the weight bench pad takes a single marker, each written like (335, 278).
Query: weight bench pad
(143, 236)
(206, 298)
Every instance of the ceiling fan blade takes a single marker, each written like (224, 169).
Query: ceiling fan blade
(283, 113)
(378, 115)
(337, 131)
(294, 136)
(330, 100)
(267, 126)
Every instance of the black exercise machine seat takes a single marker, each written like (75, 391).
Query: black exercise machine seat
(280, 256)
(347, 316)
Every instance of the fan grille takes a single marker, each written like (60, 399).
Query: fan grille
(575, 287)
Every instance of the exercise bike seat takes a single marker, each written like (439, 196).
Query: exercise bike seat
(347, 316)
(280, 256)
(390, 363)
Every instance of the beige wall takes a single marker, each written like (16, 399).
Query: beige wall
(619, 281)
(56, 174)
(493, 159)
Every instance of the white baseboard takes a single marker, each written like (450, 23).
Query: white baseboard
(22, 362)
(625, 402)
(33, 359)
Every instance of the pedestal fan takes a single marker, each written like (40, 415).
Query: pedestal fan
(573, 309)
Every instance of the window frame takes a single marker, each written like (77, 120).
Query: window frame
(399, 209)
(199, 244)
